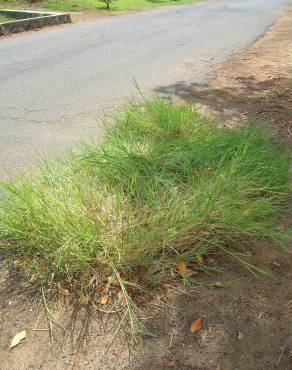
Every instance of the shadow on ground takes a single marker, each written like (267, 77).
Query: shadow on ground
(246, 324)
(268, 101)
(61, 334)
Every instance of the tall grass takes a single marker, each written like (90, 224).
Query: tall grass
(166, 185)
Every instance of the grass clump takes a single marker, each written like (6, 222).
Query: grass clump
(166, 185)
(5, 18)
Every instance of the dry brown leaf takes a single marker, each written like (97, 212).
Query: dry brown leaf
(83, 300)
(63, 291)
(18, 338)
(182, 267)
(104, 299)
(183, 270)
(197, 325)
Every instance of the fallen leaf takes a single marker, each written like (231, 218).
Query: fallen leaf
(18, 338)
(197, 325)
(239, 335)
(182, 267)
(83, 300)
(200, 259)
(183, 270)
(104, 299)
(63, 291)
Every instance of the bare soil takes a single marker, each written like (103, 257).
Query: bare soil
(247, 322)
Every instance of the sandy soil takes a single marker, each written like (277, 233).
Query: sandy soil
(247, 323)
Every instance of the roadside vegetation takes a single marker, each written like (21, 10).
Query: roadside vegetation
(5, 18)
(91, 5)
(167, 190)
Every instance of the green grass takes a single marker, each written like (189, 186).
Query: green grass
(78, 5)
(5, 18)
(166, 185)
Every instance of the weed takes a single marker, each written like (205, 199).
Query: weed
(167, 184)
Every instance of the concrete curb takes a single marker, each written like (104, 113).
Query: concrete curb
(29, 20)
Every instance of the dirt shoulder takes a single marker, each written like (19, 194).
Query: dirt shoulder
(247, 323)
(255, 84)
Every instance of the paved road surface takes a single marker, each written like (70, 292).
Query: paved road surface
(55, 83)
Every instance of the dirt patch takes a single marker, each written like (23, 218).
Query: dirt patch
(89, 16)
(247, 323)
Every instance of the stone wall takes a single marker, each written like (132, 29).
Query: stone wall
(27, 20)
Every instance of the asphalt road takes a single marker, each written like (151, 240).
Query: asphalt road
(56, 83)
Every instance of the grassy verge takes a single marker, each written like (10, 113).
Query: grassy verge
(166, 187)
(94, 5)
(4, 18)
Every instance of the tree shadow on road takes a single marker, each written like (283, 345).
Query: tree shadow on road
(247, 98)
